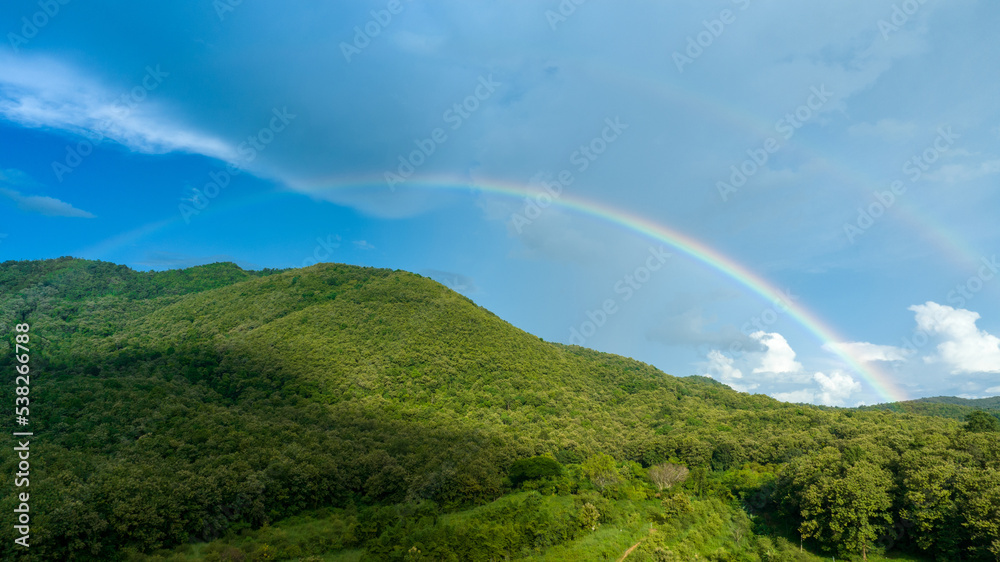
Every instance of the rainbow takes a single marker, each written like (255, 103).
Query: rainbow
(708, 104)
(879, 381)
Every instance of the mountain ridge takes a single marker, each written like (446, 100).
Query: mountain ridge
(185, 406)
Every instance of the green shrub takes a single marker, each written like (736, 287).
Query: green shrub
(534, 468)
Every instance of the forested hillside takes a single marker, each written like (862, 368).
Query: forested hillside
(945, 406)
(347, 413)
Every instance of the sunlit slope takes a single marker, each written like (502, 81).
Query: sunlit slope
(173, 407)
(396, 344)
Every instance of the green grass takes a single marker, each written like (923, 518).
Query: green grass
(708, 532)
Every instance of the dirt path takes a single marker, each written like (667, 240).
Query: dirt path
(633, 547)
(629, 551)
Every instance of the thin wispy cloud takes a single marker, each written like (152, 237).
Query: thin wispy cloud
(454, 281)
(171, 260)
(42, 92)
(43, 205)
(963, 173)
(886, 129)
(460, 97)
(865, 351)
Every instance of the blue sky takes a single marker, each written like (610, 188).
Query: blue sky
(847, 154)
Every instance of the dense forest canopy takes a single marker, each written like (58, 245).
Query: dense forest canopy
(946, 406)
(225, 414)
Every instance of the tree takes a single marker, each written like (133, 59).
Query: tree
(667, 474)
(534, 468)
(589, 516)
(978, 499)
(676, 505)
(601, 470)
(929, 502)
(859, 506)
(981, 422)
(841, 504)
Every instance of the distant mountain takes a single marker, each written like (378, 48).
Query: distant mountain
(944, 406)
(371, 414)
(991, 403)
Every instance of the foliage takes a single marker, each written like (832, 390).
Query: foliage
(534, 468)
(602, 470)
(360, 412)
(981, 422)
(589, 516)
(944, 406)
(675, 505)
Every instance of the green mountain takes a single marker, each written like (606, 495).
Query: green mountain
(367, 414)
(944, 406)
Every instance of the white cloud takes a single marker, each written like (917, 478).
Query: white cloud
(721, 367)
(835, 388)
(804, 396)
(363, 245)
(993, 390)
(966, 349)
(865, 351)
(47, 206)
(956, 173)
(12, 176)
(779, 357)
(887, 129)
(41, 93)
